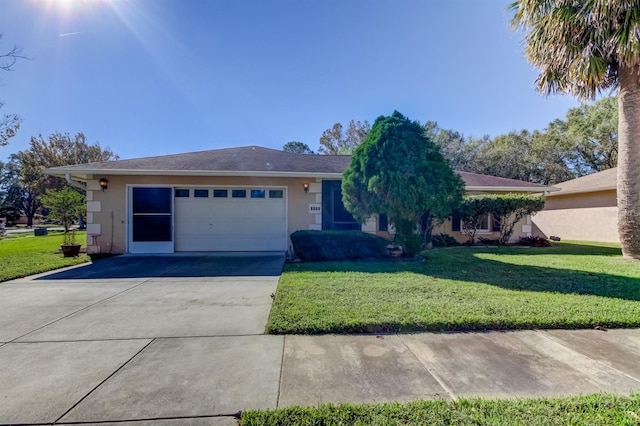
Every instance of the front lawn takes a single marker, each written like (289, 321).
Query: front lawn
(570, 285)
(598, 409)
(24, 255)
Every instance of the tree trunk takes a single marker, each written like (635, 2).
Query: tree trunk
(629, 161)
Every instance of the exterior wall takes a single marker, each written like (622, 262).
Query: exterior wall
(521, 229)
(107, 210)
(584, 217)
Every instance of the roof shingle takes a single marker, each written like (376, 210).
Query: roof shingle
(257, 159)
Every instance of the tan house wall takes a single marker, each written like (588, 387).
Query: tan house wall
(591, 216)
(107, 212)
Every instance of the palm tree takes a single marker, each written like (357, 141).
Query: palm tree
(583, 47)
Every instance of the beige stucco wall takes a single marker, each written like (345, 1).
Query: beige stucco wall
(584, 217)
(107, 214)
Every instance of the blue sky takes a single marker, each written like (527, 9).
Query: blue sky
(153, 77)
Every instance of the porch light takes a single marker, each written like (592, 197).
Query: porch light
(103, 183)
(305, 186)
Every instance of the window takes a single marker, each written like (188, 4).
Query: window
(182, 193)
(220, 193)
(383, 222)
(276, 193)
(239, 193)
(201, 193)
(257, 193)
(482, 225)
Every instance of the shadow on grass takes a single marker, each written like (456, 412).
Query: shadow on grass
(462, 264)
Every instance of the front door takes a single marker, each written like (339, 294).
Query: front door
(150, 220)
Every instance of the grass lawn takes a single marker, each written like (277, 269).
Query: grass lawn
(26, 255)
(569, 285)
(599, 409)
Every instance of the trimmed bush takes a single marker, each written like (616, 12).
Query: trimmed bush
(444, 240)
(313, 246)
(534, 242)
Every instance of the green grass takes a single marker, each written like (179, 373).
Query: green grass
(570, 285)
(598, 409)
(26, 255)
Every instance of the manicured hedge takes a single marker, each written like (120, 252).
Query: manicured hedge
(337, 245)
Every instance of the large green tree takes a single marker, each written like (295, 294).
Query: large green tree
(400, 172)
(583, 48)
(59, 149)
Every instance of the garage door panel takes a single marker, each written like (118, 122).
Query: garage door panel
(230, 224)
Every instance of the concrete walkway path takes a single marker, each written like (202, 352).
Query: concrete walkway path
(177, 348)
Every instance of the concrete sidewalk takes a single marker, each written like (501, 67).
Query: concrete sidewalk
(206, 380)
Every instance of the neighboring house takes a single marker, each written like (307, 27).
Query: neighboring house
(235, 199)
(584, 209)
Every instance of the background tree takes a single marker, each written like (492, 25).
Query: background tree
(9, 123)
(400, 172)
(583, 48)
(336, 141)
(60, 149)
(459, 151)
(592, 132)
(297, 148)
(10, 190)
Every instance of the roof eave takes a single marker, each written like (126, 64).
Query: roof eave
(541, 189)
(582, 191)
(87, 174)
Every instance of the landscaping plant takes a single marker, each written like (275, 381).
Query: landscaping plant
(400, 172)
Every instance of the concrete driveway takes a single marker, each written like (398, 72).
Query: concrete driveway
(140, 337)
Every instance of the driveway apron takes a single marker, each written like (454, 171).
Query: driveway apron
(140, 337)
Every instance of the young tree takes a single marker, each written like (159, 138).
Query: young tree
(297, 148)
(335, 141)
(583, 48)
(64, 206)
(400, 172)
(60, 149)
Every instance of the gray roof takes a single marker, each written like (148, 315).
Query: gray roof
(253, 160)
(241, 159)
(600, 181)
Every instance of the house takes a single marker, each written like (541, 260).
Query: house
(584, 209)
(235, 199)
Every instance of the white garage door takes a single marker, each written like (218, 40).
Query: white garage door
(230, 219)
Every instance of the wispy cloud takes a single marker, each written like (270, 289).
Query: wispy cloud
(69, 34)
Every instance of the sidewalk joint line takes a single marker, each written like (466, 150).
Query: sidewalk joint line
(546, 335)
(103, 381)
(79, 310)
(284, 343)
(443, 385)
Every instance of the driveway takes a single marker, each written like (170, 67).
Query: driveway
(79, 345)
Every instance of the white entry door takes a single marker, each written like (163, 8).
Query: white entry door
(150, 227)
(230, 219)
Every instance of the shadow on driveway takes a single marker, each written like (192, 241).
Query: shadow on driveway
(180, 265)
